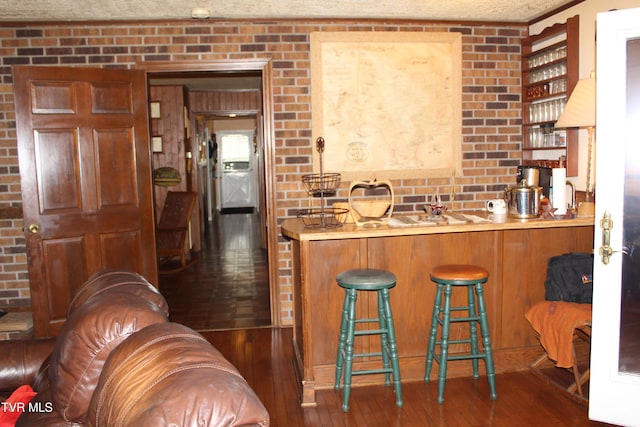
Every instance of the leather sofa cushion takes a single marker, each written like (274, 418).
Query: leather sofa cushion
(168, 374)
(85, 341)
(108, 280)
(22, 361)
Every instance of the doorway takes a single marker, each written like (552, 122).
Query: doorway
(231, 236)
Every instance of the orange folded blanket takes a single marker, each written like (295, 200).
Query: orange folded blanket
(555, 321)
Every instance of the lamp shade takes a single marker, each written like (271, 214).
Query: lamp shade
(580, 111)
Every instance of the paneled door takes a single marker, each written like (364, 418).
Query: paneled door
(85, 169)
(614, 388)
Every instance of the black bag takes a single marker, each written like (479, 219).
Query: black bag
(570, 278)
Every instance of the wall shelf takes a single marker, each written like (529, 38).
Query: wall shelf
(549, 74)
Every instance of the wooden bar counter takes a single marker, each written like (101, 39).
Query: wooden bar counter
(514, 251)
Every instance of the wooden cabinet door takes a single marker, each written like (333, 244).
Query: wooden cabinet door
(83, 147)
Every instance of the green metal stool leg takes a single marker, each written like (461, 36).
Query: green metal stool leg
(473, 333)
(434, 331)
(444, 343)
(384, 342)
(342, 340)
(351, 326)
(488, 354)
(393, 349)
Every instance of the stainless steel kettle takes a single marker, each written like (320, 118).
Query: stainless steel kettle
(529, 173)
(523, 201)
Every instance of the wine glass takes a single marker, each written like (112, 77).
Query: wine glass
(436, 206)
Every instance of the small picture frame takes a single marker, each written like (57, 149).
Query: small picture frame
(156, 144)
(154, 109)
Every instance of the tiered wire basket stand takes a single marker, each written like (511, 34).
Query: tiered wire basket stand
(320, 186)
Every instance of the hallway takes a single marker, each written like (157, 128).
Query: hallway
(228, 287)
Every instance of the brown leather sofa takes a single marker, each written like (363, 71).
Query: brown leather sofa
(118, 361)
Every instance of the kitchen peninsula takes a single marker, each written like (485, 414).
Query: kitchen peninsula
(514, 251)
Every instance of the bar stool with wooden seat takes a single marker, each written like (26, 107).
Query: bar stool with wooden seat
(446, 277)
(380, 281)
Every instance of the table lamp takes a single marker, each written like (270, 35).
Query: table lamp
(580, 112)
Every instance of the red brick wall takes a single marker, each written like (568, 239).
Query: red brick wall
(490, 112)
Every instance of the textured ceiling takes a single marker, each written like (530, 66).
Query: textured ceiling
(472, 10)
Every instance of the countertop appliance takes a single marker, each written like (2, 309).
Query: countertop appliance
(523, 201)
(529, 174)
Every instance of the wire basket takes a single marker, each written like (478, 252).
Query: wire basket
(323, 218)
(321, 185)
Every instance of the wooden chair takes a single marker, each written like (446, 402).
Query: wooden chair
(172, 230)
(565, 325)
(579, 378)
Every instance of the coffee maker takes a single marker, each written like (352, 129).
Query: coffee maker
(535, 175)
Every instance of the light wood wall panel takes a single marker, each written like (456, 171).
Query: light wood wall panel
(225, 101)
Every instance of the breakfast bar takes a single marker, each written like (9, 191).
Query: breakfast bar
(514, 251)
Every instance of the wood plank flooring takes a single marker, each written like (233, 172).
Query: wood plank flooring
(264, 357)
(228, 287)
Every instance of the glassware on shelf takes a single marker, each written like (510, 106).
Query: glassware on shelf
(557, 86)
(549, 67)
(544, 137)
(546, 57)
(546, 111)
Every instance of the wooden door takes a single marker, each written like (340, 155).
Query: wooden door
(83, 147)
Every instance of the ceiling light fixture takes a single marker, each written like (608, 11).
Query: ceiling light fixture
(200, 13)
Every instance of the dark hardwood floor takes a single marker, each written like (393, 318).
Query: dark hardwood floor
(264, 357)
(228, 287)
(225, 296)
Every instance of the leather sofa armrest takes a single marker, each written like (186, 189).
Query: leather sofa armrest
(21, 360)
(172, 364)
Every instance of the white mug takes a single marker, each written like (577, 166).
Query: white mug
(497, 206)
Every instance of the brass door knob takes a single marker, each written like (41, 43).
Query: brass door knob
(34, 228)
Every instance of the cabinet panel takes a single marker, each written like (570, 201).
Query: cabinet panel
(326, 260)
(412, 299)
(524, 269)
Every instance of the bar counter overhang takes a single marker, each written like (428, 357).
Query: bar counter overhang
(514, 251)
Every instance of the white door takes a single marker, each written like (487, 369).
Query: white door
(614, 392)
(237, 164)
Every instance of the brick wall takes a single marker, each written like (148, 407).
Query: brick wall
(491, 114)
